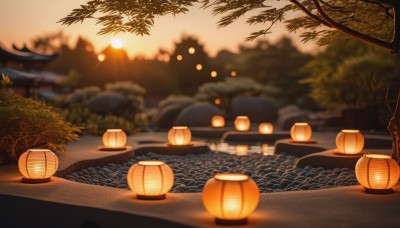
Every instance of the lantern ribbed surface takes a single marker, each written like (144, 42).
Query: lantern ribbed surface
(114, 138)
(38, 164)
(150, 179)
(377, 171)
(242, 123)
(217, 121)
(350, 142)
(179, 136)
(301, 132)
(265, 128)
(230, 196)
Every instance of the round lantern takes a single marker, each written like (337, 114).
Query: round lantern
(265, 128)
(217, 121)
(349, 142)
(114, 139)
(37, 165)
(301, 132)
(231, 198)
(150, 179)
(242, 149)
(378, 173)
(242, 123)
(179, 136)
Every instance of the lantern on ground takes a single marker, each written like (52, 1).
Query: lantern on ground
(217, 121)
(242, 149)
(150, 179)
(242, 123)
(37, 165)
(231, 198)
(378, 173)
(179, 136)
(114, 139)
(265, 128)
(349, 142)
(301, 132)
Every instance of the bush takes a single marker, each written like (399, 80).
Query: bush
(26, 123)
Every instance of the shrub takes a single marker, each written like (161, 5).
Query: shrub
(26, 123)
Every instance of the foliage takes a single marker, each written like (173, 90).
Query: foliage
(94, 124)
(352, 80)
(83, 95)
(26, 123)
(279, 65)
(372, 18)
(175, 99)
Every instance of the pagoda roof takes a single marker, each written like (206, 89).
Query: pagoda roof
(18, 76)
(23, 55)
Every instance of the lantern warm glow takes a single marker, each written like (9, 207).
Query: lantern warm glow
(179, 136)
(265, 128)
(242, 149)
(37, 165)
(114, 139)
(217, 121)
(150, 179)
(231, 198)
(377, 173)
(349, 142)
(242, 123)
(301, 132)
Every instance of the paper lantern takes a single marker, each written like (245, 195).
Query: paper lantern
(231, 198)
(378, 173)
(242, 149)
(37, 165)
(179, 136)
(242, 123)
(114, 139)
(217, 121)
(265, 128)
(150, 179)
(349, 142)
(301, 132)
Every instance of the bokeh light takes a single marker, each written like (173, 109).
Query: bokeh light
(214, 74)
(192, 50)
(101, 57)
(199, 67)
(179, 57)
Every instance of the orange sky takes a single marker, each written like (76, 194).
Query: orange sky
(21, 20)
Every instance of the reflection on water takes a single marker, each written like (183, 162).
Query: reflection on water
(241, 149)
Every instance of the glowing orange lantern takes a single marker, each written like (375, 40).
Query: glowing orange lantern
(242, 123)
(378, 173)
(37, 165)
(217, 121)
(231, 198)
(242, 149)
(265, 128)
(349, 142)
(114, 139)
(179, 136)
(301, 132)
(150, 179)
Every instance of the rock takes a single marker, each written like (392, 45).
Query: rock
(165, 118)
(197, 115)
(109, 102)
(258, 109)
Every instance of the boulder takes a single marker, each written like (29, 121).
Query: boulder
(165, 118)
(258, 109)
(108, 102)
(197, 115)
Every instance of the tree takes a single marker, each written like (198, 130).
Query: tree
(189, 65)
(278, 65)
(373, 21)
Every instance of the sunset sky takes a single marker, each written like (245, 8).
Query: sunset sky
(22, 20)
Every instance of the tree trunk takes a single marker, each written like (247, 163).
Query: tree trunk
(393, 102)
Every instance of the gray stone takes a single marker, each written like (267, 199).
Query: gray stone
(258, 109)
(197, 115)
(109, 102)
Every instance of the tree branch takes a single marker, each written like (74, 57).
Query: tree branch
(306, 11)
(354, 33)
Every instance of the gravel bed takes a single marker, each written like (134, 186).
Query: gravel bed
(271, 173)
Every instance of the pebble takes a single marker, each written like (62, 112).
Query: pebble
(191, 172)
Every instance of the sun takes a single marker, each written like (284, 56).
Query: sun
(117, 43)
